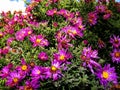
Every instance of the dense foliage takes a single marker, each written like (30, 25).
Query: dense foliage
(61, 44)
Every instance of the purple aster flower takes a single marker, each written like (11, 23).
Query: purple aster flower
(6, 50)
(115, 55)
(13, 79)
(62, 55)
(92, 18)
(88, 56)
(108, 14)
(10, 40)
(63, 40)
(101, 8)
(54, 71)
(72, 31)
(39, 40)
(5, 70)
(24, 69)
(30, 85)
(76, 20)
(28, 31)
(115, 40)
(43, 56)
(21, 34)
(107, 74)
(62, 12)
(37, 72)
(51, 12)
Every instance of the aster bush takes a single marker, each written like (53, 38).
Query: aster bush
(61, 45)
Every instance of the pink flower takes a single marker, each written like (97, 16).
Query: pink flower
(51, 12)
(115, 41)
(92, 18)
(21, 34)
(10, 40)
(62, 56)
(39, 40)
(63, 40)
(88, 56)
(107, 15)
(72, 31)
(116, 55)
(54, 71)
(43, 56)
(6, 50)
(13, 79)
(107, 75)
(101, 8)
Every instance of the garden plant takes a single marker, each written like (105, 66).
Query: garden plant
(61, 45)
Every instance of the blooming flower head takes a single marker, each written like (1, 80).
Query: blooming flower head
(92, 18)
(13, 79)
(76, 20)
(6, 50)
(5, 71)
(38, 40)
(107, 15)
(43, 56)
(62, 12)
(24, 68)
(10, 40)
(51, 12)
(72, 31)
(53, 71)
(88, 52)
(63, 40)
(37, 72)
(101, 8)
(30, 85)
(62, 55)
(21, 34)
(88, 56)
(116, 55)
(107, 74)
(115, 40)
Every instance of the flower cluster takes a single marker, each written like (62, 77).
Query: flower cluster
(106, 74)
(115, 41)
(54, 39)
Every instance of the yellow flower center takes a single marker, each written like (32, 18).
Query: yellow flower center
(62, 57)
(1, 34)
(38, 72)
(117, 54)
(105, 74)
(116, 41)
(72, 31)
(28, 88)
(29, 32)
(24, 67)
(53, 68)
(15, 80)
(90, 20)
(38, 40)
(80, 26)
